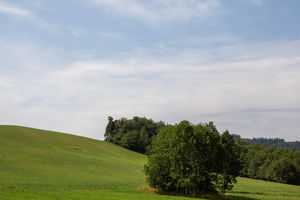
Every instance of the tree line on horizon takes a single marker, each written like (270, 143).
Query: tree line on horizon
(270, 142)
(259, 161)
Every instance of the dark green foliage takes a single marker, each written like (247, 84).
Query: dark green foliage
(109, 128)
(134, 134)
(193, 159)
(203, 147)
(272, 164)
(230, 156)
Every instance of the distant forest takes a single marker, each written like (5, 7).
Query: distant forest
(271, 163)
(262, 158)
(271, 142)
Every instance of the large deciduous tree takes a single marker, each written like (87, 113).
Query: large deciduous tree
(192, 159)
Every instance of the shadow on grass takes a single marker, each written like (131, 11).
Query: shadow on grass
(207, 196)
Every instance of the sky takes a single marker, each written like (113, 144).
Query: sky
(68, 65)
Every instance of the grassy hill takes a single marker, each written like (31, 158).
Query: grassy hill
(39, 164)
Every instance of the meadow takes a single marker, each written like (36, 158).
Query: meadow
(44, 165)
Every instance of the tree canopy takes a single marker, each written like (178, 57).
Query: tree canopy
(134, 134)
(193, 159)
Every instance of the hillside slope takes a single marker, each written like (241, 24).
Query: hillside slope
(33, 158)
(44, 165)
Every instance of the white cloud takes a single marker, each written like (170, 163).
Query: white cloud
(260, 90)
(161, 11)
(174, 91)
(14, 10)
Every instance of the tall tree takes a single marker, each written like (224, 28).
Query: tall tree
(109, 128)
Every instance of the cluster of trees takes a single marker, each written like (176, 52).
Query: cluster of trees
(193, 159)
(134, 134)
(271, 164)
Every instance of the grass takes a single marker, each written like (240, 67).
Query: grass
(44, 165)
(257, 189)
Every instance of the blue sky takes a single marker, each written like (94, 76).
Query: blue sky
(67, 65)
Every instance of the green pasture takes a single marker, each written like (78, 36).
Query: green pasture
(46, 165)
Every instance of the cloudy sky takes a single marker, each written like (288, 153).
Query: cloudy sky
(68, 65)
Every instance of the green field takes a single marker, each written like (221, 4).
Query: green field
(38, 164)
